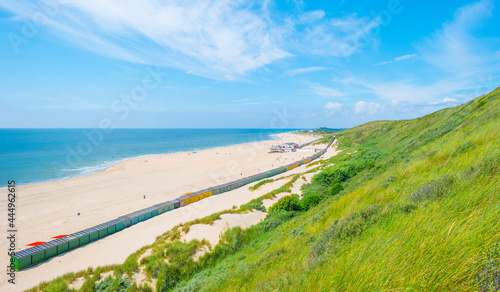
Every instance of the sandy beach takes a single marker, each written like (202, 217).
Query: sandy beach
(51, 209)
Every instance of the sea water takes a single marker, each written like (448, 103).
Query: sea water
(31, 156)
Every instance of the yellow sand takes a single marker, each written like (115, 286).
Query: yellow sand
(50, 209)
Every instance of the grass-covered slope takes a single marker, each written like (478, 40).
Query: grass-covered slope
(406, 206)
(420, 212)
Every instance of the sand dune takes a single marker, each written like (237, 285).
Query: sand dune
(50, 209)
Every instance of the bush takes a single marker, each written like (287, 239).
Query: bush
(336, 188)
(343, 230)
(256, 206)
(88, 285)
(57, 286)
(488, 276)
(110, 284)
(287, 203)
(272, 223)
(315, 189)
(167, 278)
(310, 201)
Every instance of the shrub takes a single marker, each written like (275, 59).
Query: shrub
(342, 230)
(88, 285)
(57, 286)
(336, 188)
(110, 284)
(310, 201)
(287, 203)
(167, 278)
(256, 206)
(315, 188)
(432, 189)
(488, 276)
(272, 223)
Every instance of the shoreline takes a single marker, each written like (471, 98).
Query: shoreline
(64, 206)
(48, 219)
(123, 160)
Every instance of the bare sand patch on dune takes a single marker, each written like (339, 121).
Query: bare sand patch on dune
(119, 190)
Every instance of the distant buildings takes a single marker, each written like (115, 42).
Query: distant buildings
(286, 147)
(321, 130)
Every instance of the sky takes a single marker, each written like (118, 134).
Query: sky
(241, 64)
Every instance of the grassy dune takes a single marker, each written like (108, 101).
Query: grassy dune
(406, 206)
(422, 214)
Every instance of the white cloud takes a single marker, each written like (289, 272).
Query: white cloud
(405, 57)
(446, 100)
(311, 16)
(398, 59)
(338, 37)
(454, 48)
(218, 39)
(298, 71)
(367, 107)
(215, 39)
(333, 107)
(318, 89)
(410, 90)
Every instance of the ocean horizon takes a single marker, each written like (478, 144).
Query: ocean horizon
(32, 156)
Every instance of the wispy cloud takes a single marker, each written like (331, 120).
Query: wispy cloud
(455, 49)
(398, 59)
(318, 89)
(466, 64)
(311, 16)
(217, 39)
(338, 37)
(410, 90)
(299, 71)
(367, 107)
(333, 107)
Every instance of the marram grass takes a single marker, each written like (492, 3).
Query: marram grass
(420, 211)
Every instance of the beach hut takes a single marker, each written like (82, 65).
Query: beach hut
(164, 207)
(84, 236)
(194, 197)
(169, 205)
(37, 254)
(113, 226)
(22, 259)
(73, 241)
(62, 245)
(127, 221)
(143, 214)
(102, 230)
(50, 249)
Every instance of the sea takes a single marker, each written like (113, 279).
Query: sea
(31, 156)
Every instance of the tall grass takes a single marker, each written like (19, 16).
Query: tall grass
(419, 212)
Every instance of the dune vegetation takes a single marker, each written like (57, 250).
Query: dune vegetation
(409, 205)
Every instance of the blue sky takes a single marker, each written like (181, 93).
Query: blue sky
(241, 64)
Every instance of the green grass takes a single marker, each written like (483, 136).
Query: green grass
(419, 211)
(259, 184)
(420, 215)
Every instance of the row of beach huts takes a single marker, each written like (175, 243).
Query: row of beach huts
(37, 254)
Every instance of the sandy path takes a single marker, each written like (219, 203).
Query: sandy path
(114, 249)
(49, 209)
(226, 221)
